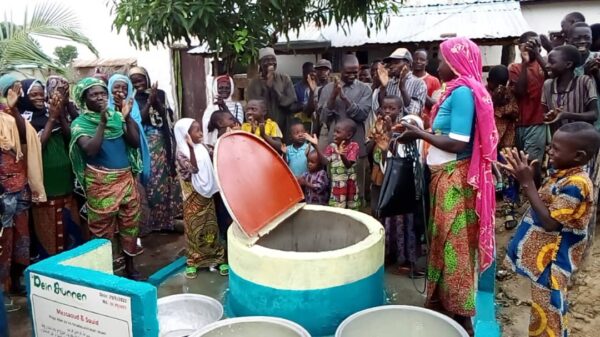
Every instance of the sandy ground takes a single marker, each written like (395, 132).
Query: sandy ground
(514, 298)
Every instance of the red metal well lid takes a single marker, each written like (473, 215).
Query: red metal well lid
(256, 185)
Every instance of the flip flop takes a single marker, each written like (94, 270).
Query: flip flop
(224, 269)
(10, 305)
(510, 222)
(417, 274)
(400, 270)
(499, 186)
(191, 272)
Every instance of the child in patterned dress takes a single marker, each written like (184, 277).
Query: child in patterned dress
(315, 182)
(341, 156)
(549, 243)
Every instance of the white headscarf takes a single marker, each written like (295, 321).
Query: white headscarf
(236, 109)
(204, 181)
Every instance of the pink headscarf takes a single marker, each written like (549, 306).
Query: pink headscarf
(464, 58)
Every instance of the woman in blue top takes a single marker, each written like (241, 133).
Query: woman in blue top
(463, 148)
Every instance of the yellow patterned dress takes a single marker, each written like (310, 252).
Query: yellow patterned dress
(204, 247)
(550, 258)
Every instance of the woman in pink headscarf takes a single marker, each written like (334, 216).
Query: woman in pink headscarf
(463, 147)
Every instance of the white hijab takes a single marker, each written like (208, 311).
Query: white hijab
(236, 109)
(204, 181)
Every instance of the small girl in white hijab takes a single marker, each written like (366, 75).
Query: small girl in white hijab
(198, 185)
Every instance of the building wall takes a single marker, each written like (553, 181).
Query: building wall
(545, 16)
(292, 64)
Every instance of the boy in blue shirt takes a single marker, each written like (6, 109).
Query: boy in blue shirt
(296, 153)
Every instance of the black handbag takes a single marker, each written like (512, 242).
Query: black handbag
(400, 191)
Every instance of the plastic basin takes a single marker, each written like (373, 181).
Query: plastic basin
(258, 326)
(399, 320)
(183, 314)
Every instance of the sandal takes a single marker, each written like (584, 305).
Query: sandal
(402, 270)
(499, 186)
(224, 269)
(417, 274)
(510, 222)
(191, 272)
(10, 305)
(118, 264)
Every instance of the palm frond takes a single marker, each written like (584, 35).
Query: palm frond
(22, 50)
(50, 20)
(18, 45)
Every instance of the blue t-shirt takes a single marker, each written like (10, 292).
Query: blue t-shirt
(112, 154)
(296, 159)
(455, 119)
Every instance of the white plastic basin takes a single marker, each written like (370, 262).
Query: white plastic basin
(257, 326)
(183, 314)
(399, 320)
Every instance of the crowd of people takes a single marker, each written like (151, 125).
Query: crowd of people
(107, 159)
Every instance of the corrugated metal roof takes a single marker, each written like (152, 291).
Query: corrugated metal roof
(104, 62)
(202, 49)
(491, 19)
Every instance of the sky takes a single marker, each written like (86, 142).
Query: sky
(95, 22)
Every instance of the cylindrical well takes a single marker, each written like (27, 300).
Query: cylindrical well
(387, 321)
(252, 327)
(316, 268)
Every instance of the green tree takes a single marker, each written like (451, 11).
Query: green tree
(238, 28)
(18, 45)
(66, 54)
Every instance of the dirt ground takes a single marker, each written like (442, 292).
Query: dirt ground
(514, 298)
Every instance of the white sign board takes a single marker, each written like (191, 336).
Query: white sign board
(62, 309)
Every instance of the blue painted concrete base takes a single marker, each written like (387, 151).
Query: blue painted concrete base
(3, 321)
(485, 323)
(319, 311)
(167, 271)
(142, 295)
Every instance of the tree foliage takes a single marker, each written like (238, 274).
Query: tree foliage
(238, 27)
(18, 44)
(66, 54)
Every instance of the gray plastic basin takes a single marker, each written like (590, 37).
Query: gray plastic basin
(257, 326)
(183, 314)
(399, 320)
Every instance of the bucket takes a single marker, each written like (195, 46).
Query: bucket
(389, 320)
(257, 326)
(183, 314)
